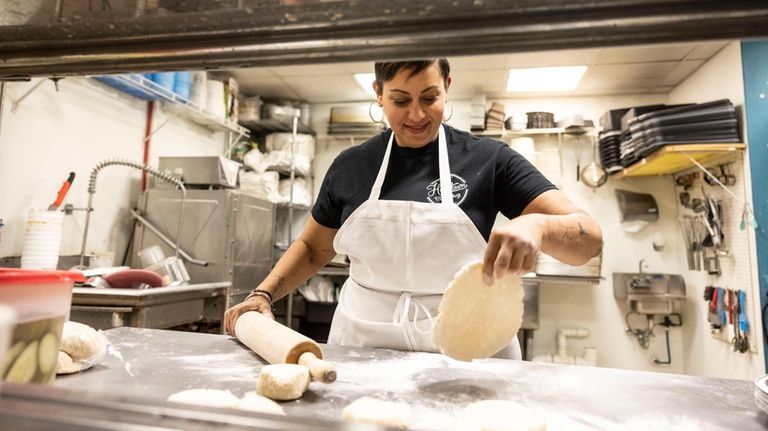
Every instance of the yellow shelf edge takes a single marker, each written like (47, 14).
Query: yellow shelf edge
(706, 154)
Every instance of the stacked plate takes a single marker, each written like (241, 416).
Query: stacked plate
(608, 147)
(761, 393)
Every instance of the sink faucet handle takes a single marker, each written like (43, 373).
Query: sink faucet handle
(640, 266)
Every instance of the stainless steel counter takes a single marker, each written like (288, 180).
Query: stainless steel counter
(154, 364)
(162, 307)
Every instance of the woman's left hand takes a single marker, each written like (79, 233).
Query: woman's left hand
(513, 248)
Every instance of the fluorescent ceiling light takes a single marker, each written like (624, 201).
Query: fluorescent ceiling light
(365, 80)
(545, 79)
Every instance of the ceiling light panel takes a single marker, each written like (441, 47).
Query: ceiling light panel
(544, 79)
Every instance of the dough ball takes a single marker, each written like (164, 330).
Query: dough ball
(283, 381)
(48, 353)
(24, 368)
(80, 342)
(475, 320)
(65, 364)
(500, 415)
(206, 397)
(254, 402)
(378, 412)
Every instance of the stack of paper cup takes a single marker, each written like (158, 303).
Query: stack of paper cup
(42, 240)
(215, 103)
(198, 89)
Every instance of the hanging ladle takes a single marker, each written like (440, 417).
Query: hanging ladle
(593, 174)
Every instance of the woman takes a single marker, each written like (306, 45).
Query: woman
(382, 204)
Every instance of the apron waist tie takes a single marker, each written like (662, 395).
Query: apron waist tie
(403, 308)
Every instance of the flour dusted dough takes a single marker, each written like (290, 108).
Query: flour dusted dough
(65, 364)
(475, 320)
(500, 415)
(256, 403)
(206, 397)
(373, 411)
(283, 381)
(80, 342)
(251, 401)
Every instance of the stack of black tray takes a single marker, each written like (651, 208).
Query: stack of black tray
(608, 147)
(703, 123)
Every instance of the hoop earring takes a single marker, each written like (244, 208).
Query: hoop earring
(445, 120)
(370, 114)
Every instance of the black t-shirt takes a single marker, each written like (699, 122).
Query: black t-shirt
(488, 177)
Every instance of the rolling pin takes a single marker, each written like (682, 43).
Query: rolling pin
(280, 344)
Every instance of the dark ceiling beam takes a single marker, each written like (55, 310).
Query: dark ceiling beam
(363, 31)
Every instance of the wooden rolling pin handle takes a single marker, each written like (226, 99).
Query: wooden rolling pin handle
(319, 369)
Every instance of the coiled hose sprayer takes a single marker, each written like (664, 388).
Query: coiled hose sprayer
(148, 169)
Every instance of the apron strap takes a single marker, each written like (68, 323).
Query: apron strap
(446, 184)
(376, 190)
(403, 308)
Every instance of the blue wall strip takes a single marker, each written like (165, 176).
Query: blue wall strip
(754, 59)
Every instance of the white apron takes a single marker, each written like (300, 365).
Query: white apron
(402, 256)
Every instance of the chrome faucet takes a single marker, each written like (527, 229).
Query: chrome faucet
(640, 266)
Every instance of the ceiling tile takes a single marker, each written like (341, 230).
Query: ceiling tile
(335, 88)
(705, 50)
(310, 70)
(630, 71)
(359, 67)
(662, 89)
(611, 91)
(266, 88)
(646, 53)
(467, 83)
(478, 62)
(575, 57)
(683, 70)
(252, 72)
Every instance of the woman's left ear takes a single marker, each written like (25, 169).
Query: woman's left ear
(447, 83)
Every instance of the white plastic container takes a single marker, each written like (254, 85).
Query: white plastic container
(172, 270)
(151, 255)
(42, 240)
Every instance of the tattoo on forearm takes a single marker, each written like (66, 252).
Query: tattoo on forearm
(582, 232)
(280, 290)
(567, 236)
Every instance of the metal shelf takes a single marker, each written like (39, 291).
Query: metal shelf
(182, 106)
(570, 279)
(536, 132)
(342, 271)
(673, 159)
(270, 125)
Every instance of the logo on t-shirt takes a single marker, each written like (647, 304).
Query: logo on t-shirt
(460, 189)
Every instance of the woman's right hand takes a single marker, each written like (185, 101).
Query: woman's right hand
(254, 303)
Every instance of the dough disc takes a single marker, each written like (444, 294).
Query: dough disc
(372, 411)
(475, 320)
(206, 397)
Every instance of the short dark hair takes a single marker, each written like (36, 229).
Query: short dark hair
(386, 71)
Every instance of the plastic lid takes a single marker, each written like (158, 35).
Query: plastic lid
(31, 276)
